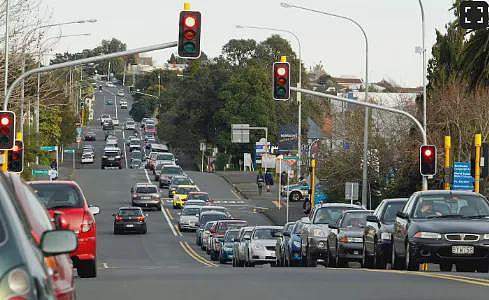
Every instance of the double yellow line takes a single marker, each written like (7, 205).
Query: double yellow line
(186, 247)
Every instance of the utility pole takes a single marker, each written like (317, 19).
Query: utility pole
(6, 46)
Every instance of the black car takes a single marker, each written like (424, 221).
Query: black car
(281, 244)
(345, 241)
(442, 227)
(130, 219)
(108, 125)
(112, 158)
(90, 136)
(378, 232)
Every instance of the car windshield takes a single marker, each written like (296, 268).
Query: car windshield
(391, 210)
(204, 197)
(58, 195)
(329, 215)
(185, 190)
(130, 212)
(172, 170)
(354, 220)
(211, 217)
(181, 181)
(451, 205)
(165, 156)
(223, 226)
(231, 235)
(149, 126)
(87, 155)
(195, 202)
(190, 211)
(135, 142)
(265, 233)
(146, 189)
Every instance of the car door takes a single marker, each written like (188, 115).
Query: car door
(401, 226)
(372, 228)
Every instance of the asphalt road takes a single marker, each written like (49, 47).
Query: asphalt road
(165, 264)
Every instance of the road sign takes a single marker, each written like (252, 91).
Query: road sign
(40, 172)
(79, 131)
(49, 148)
(291, 158)
(351, 191)
(462, 180)
(69, 150)
(240, 133)
(260, 149)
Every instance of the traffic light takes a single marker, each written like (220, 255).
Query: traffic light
(16, 157)
(7, 130)
(281, 81)
(427, 160)
(189, 34)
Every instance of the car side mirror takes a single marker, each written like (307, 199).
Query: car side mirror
(333, 226)
(95, 210)
(57, 242)
(402, 215)
(286, 234)
(372, 219)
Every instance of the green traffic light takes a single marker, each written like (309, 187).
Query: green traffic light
(281, 92)
(189, 47)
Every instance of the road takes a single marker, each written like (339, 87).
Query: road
(165, 264)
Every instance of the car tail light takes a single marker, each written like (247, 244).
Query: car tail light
(19, 284)
(134, 195)
(87, 222)
(118, 218)
(140, 219)
(212, 230)
(344, 239)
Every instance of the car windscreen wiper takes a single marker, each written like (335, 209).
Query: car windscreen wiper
(60, 206)
(446, 216)
(477, 217)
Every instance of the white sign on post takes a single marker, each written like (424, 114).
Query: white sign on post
(351, 191)
(247, 161)
(240, 133)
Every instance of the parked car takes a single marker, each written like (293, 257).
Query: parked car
(90, 136)
(241, 246)
(345, 239)
(315, 233)
(67, 197)
(188, 218)
(217, 238)
(261, 248)
(39, 222)
(296, 192)
(281, 244)
(145, 195)
(293, 247)
(205, 217)
(442, 227)
(378, 232)
(227, 245)
(130, 219)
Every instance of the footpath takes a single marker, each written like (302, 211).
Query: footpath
(267, 203)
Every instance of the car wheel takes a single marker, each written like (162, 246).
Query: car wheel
(379, 262)
(411, 262)
(331, 259)
(395, 261)
(366, 259)
(311, 261)
(446, 267)
(87, 268)
(465, 267)
(295, 196)
(340, 262)
(145, 230)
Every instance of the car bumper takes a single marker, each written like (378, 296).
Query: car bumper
(146, 203)
(128, 227)
(111, 163)
(227, 254)
(262, 256)
(351, 251)
(441, 252)
(317, 247)
(187, 226)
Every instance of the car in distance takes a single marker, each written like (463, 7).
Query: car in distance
(188, 218)
(130, 125)
(176, 181)
(227, 245)
(217, 238)
(130, 219)
(87, 158)
(345, 240)
(378, 233)
(166, 174)
(90, 136)
(261, 249)
(293, 248)
(442, 227)
(112, 158)
(135, 163)
(67, 198)
(120, 93)
(145, 195)
(134, 144)
(104, 117)
(123, 104)
(297, 191)
(108, 125)
(115, 122)
(194, 202)
(204, 196)
(206, 233)
(181, 193)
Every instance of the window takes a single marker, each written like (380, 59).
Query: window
(231, 235)
(146, 189)
(329, 215)
(354, 220)
(185, 190)
(265, 233)
(451, 205)
(203, 197)
(390, 212)
(190, 211)
(165, 156)
(130, 212)
(58, 195)
(172, 170)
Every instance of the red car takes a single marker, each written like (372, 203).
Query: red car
(67, 198)
(39, 222)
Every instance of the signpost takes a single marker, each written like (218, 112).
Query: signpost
(351, 190)
(462, 179)
(71, 151)
(40, 172)
(51, 148)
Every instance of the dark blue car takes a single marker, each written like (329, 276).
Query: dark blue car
(227, 245)
(293, 250)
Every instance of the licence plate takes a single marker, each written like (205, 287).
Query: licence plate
(129, 225)
(356, 252)
(463, 250)
(111, 158)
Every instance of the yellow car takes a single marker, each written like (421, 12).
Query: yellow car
(181, 193)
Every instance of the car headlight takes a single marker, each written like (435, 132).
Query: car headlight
(427, 235)
(385, 236)
(257, 246)
(486, 236)
(318, 233)
(296, 244)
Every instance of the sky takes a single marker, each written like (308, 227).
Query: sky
(393, 28)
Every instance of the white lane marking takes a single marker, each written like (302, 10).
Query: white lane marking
(124, 144)
(147, 176)
(115, 103)
(235, 194)
(105, 265)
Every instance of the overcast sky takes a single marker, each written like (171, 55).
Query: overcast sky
(393, 28)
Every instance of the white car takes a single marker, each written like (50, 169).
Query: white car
(120, 93)
(115, 122)
(87, 158)
(104, 118)
(123, 104)
(261, 247)
(130, 125)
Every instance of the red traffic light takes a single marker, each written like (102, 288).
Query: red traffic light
(189, 34)
(281, 81)
(7, 130)
(427, 152)
(281, 71)
(190, 21)
(427, 160)
(5, 121)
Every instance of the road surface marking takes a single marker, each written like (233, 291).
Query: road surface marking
(169, 214)
(178, 231)
(235, 194)
(196, 256)
(105, 265)
(124, 144)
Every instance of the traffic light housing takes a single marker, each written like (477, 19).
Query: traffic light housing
(427, 160)
(281, 81)
(16, 157)
(189, 34)
(7, 130)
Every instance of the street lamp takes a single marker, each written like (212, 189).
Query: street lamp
(299, 99)
(423, 51)
(366, 123)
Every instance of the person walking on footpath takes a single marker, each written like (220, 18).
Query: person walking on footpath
(268, 180)
(260, 181)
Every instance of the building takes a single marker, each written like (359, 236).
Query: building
(352, 84)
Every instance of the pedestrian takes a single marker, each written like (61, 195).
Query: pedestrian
(260, 180)
(283, 178)
(307, 205)
(54, 164)
(268, 180)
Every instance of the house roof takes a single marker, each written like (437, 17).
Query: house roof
(348, 80)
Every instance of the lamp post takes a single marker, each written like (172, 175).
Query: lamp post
(299, 84)
(366, 123)
(6, 47)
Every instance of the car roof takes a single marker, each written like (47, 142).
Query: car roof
(233, 221)
(395, 200)
(339, 205)
(199, 193)
(357, 211)
(212, 212)
(185, 185)
(215, 207)
(448, 192)
(192, 206)
(267, 227)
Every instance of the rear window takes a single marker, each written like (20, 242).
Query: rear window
(184, 190)
(231, 235)
(211, 217)
(391, 210)
(58, 195)
(203, 197)
(87, 155)
(330, 215)
(195, 202)
(225, 225)
(165, 156)
(130, 212)
(149, 126)
(265, 233)
(146, 189)
(182, 181)
(111, 153)
(172, 170)
(190, 211)
(354, 220)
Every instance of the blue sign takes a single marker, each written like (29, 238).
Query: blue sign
(78, 131)
(462, 179)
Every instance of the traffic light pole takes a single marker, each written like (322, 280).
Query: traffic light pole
(375, 106)
(81, 62)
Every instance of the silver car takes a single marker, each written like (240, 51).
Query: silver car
(241, 246)
(261, 247)
(206, 233)
(189, 217)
